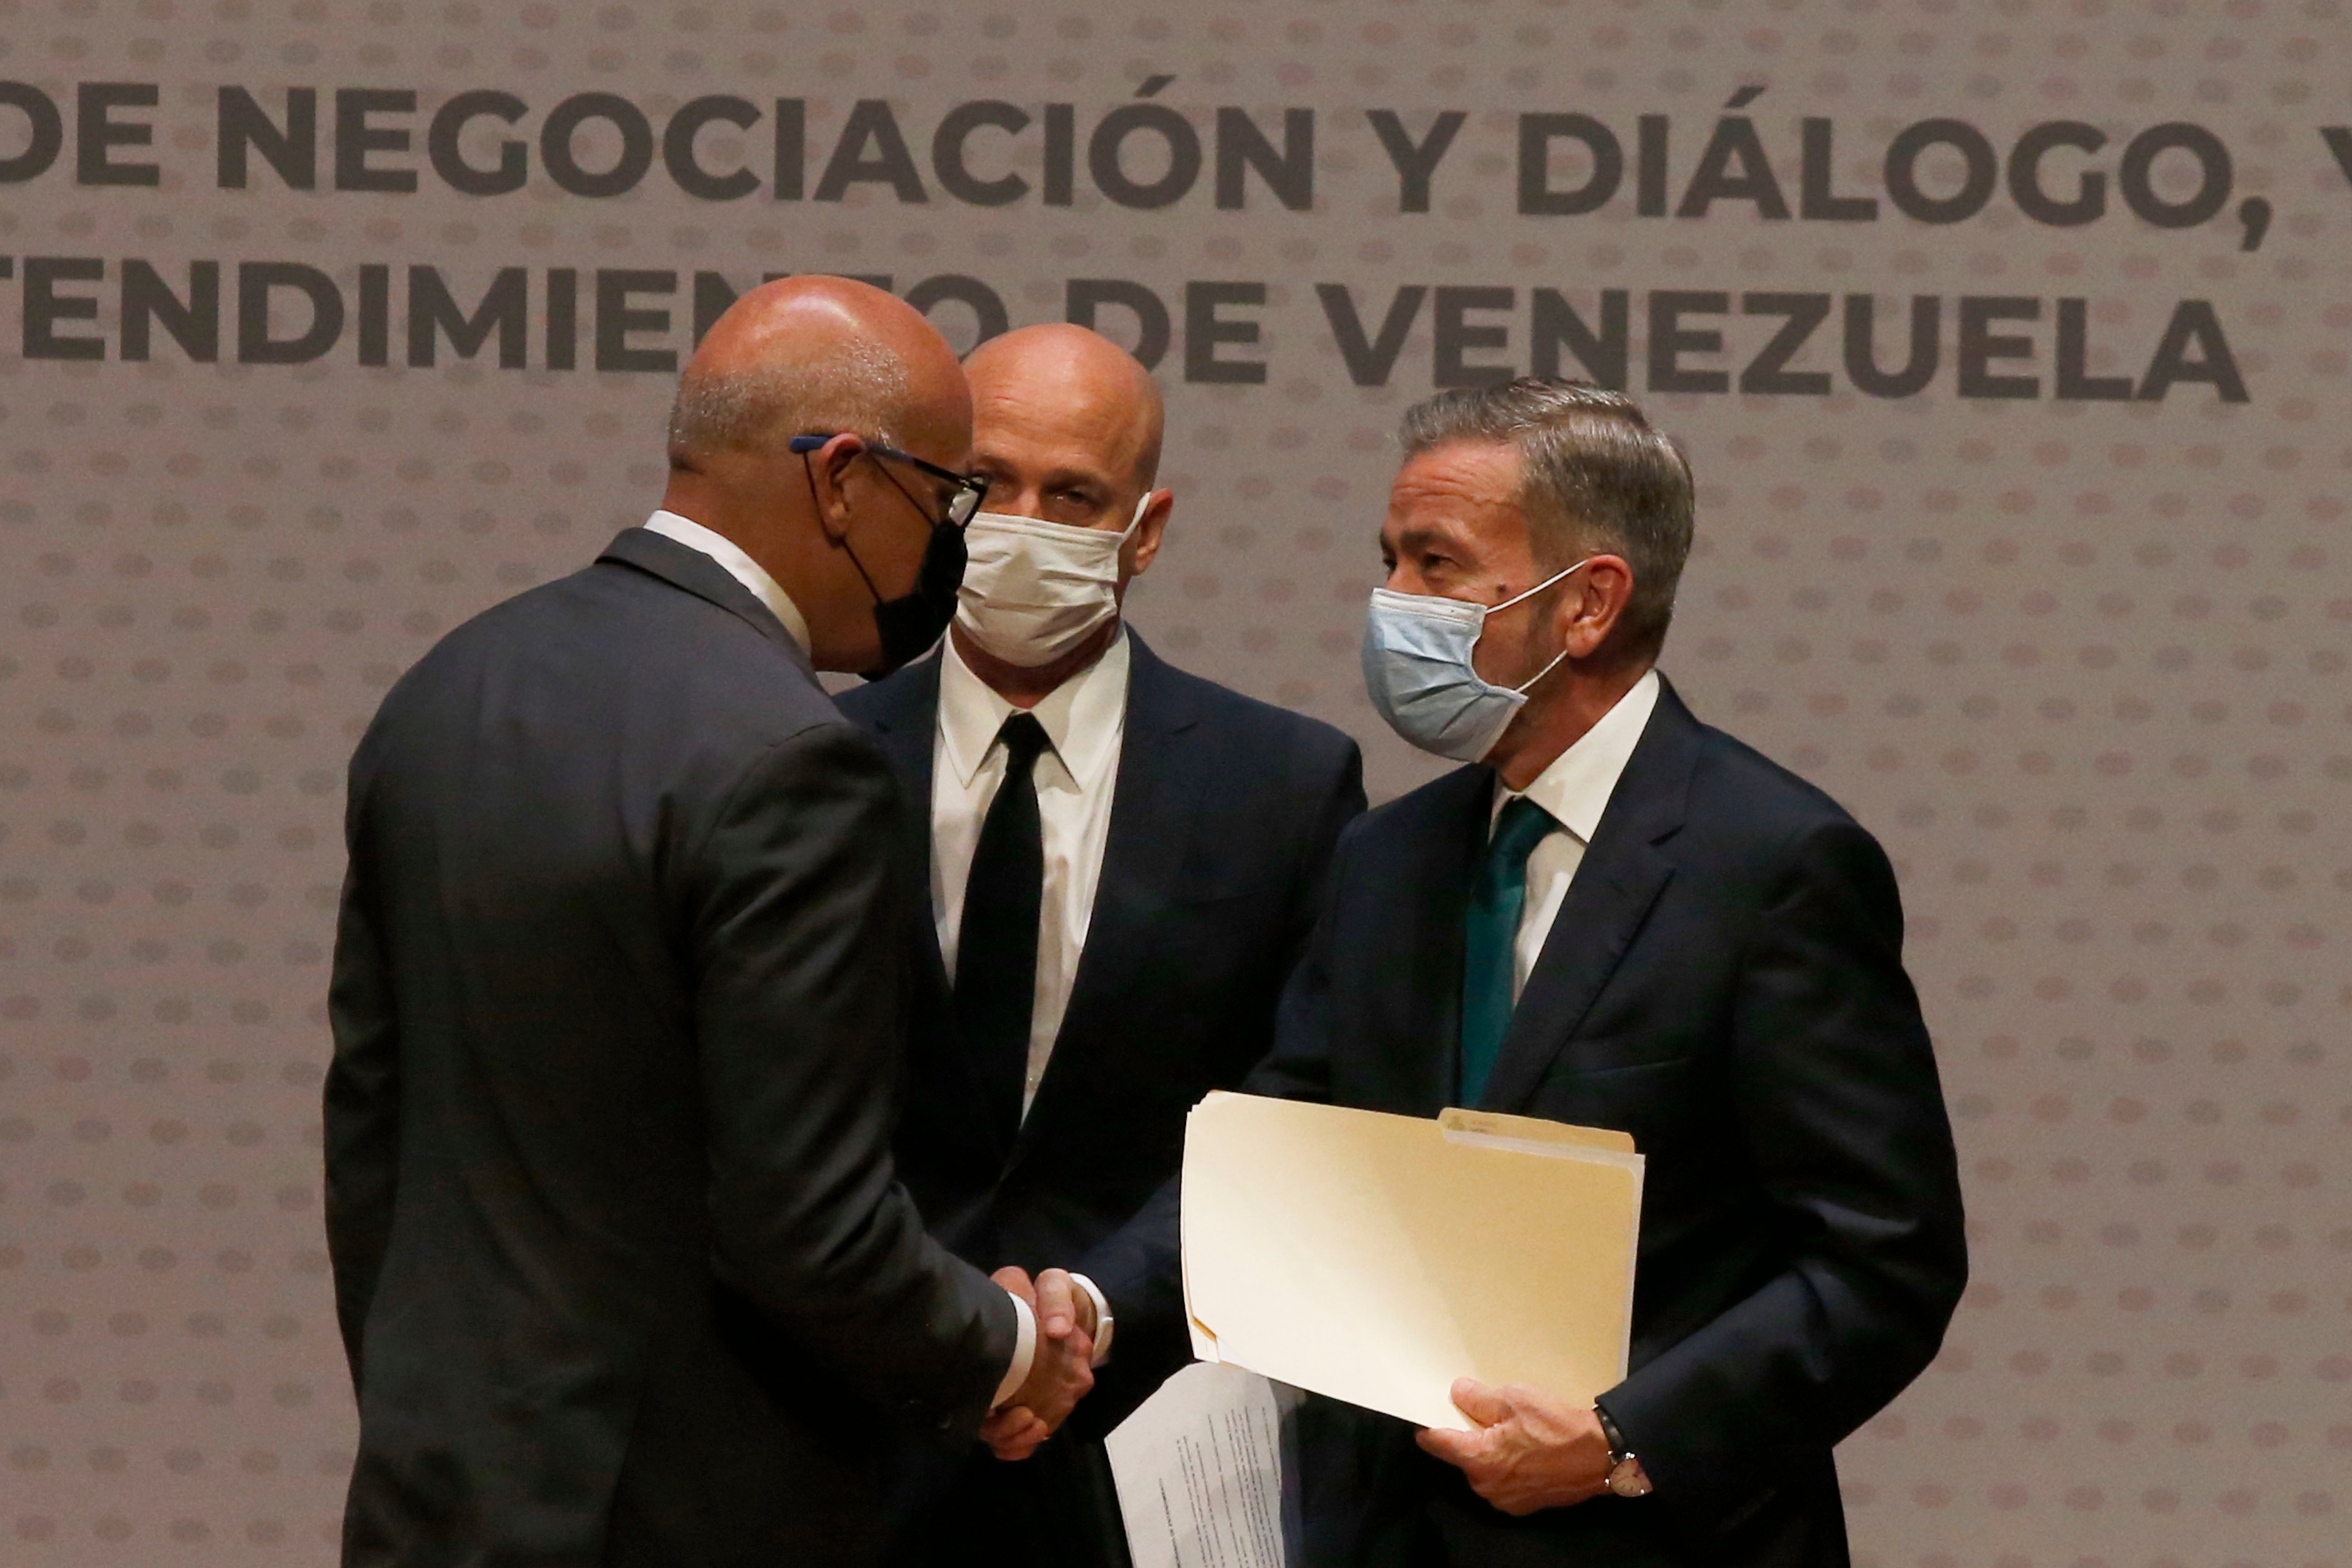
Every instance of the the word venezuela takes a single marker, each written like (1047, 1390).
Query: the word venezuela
(629, 319)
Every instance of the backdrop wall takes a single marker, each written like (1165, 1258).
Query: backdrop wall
(2009, 342)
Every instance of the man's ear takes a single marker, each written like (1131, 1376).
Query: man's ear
(1595, 604)
(828, 478)
(1144, 548)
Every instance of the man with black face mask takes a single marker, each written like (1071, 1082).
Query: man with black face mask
(624, 1269)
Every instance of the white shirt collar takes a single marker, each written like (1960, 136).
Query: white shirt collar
(738, 565)
(1576, 788)
(1081, 716)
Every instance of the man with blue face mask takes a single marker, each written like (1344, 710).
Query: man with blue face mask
(1618, 917)
(1124, 863)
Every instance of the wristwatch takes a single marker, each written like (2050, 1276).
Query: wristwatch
(1626, 1477)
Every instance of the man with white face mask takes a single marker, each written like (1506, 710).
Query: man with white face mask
(1124, 863)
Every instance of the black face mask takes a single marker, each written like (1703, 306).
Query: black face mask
(916, 620)
(913, 621)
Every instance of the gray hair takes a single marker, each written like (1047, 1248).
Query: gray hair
(1595, 478)
(861, 388)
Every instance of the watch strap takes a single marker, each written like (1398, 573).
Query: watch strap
(1618, 1447)
(1626, 1478)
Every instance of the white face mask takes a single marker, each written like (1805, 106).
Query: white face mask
(1034, 590)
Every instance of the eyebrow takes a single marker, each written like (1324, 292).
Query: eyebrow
(1066, 478)
(1416, 537)
(1061, 476)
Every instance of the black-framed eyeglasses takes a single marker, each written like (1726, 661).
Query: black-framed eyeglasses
(971, 490)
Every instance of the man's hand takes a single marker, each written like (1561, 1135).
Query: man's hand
(1059, 1376)
(1012, 1433)
(1530, 1451)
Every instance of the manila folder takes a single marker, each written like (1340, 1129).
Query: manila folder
(1375, 1259)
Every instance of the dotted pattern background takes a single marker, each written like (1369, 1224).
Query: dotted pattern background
(2081, 665)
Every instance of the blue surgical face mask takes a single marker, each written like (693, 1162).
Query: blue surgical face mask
(1417, 667)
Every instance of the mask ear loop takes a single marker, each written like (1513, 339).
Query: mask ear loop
(1142, 505)
(848, 549)
(1525, 686)
(1538, 587)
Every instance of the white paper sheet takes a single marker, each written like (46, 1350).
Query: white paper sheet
(1199, 1472)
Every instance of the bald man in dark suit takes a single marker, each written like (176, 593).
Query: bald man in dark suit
(624, 1268)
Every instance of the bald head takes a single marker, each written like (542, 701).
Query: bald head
(816, 355)
(1066, 428)
(1073, 390)
(841, 527)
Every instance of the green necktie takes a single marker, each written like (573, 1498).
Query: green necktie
(1491, 936)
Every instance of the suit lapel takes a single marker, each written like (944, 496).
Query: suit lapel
(905, 724)
(1154, 802)
(1621, 876)
(1437, 861)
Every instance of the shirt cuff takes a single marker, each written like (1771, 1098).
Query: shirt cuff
(1103, 1322)
(1025, 1352)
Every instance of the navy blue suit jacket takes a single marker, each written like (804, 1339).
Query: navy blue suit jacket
(1724, 981)
(1224, 817)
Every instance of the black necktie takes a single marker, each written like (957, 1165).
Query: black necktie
(997, 949)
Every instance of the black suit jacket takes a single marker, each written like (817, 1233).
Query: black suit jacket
(1223, 816)
(1724, 982)
(623, 1269)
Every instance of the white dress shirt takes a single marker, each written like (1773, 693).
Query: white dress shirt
(1085, 720)
(739, 566)
(1575, 790)
(769, 592)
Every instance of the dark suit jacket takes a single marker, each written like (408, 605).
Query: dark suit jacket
(623, 1269)
(1724, 981)
(1224, 817)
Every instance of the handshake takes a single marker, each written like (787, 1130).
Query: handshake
(1062, 1371)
